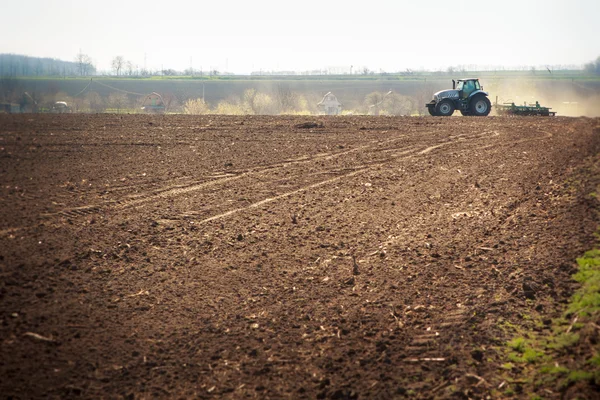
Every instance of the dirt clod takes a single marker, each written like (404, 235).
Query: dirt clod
(309, 125)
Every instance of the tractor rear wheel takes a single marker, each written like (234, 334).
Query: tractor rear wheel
(480, 106)
(444, 108)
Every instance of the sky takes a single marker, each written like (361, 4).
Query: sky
(242, 36)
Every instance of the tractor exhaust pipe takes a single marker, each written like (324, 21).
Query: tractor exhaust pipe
(453, 84)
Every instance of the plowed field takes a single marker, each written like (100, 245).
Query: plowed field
(252, 257)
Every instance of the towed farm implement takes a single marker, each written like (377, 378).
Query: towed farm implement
(525, 109)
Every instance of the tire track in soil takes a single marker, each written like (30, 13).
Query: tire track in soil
(170, 191)
(395, 156)
(425, 346)
(174, 190)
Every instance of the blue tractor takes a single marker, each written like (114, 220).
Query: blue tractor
(466, 95)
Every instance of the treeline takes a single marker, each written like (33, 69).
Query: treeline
(283, 101)
(593, 67)
(15, 65)
(280, 99)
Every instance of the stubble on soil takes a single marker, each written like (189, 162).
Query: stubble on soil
(255, 257)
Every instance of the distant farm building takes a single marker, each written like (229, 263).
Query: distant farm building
(153, 103)
(329, 105)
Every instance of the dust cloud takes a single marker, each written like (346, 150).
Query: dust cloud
(568, 97)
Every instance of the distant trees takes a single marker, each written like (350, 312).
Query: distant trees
(195, 107)
(9, 89)
(84, 64)
(423, 95)
(118, 101)
(389, 103)
(13, 65)
(95, 102)
(373, 99)
(593, 67)
(121, 67)
(397, 104)
(258, 103)
(230, 108)
(117, 64)
(171, 102)
(253, 102)
(285, 98)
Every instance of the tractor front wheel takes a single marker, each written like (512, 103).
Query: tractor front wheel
(480, 106)
(431, 110)
(444, 108)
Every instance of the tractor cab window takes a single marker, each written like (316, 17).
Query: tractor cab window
(467, 89)
(477, 87)
(469, 86)
(459, 85)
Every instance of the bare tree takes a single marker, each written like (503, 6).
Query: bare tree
(95, 102)
(170, 101)
(232, 107)
(117, 64)
(195, 107)
(84, 64)
(397, 104)
(373, 102)
(285, 98)
(129, 66)
(258, 103)
(422, 96)
(118, 101)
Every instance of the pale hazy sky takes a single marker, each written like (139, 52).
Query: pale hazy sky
(242, 36)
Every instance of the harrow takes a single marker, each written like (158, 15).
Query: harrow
(526, 109)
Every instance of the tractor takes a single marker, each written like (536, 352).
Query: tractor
(466, 95)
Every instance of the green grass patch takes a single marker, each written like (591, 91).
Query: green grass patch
(518, 344)
(581, 376)
(586, 301)
(508, 366)
(529, 355)
(554, 370)
(595, 360)
(540, 350)
(564, 340)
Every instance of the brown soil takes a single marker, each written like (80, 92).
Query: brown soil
(257, 257)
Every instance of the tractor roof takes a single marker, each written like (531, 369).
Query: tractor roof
(468, 79)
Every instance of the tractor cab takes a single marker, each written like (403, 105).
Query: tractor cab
(467, 86)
